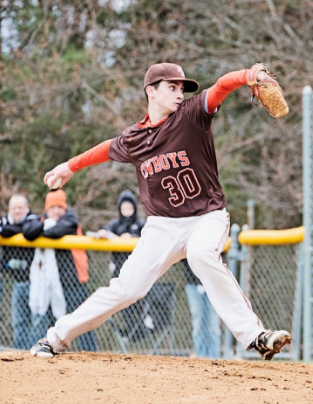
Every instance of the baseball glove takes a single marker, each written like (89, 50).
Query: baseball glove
(267, 91)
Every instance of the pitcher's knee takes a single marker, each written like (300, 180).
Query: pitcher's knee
(197, 254)
(202, 255)
(133, 296)
(127, 294)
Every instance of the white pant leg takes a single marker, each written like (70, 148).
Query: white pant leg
(205, 244)
(159, 247)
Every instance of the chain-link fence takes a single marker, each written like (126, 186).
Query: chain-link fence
(271, 278)
(40, 285)
(33, 294)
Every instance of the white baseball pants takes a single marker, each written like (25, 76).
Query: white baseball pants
(165, 241)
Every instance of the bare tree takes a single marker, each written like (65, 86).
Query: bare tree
(77, 80)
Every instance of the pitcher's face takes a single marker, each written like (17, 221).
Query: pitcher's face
(167, 97)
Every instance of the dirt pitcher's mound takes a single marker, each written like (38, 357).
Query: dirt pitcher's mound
(85, 378)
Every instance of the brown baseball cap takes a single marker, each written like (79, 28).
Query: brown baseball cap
(169, 72)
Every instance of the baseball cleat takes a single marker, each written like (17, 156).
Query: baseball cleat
(270, 342)
(43, 349)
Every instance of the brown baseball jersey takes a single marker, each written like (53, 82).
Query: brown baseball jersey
(175, 162)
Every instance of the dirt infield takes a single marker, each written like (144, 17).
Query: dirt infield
(85, 378)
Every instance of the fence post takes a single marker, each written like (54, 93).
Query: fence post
(307, 221)
(251, 213)
(245, 269)
(232, 265)
(298, 302)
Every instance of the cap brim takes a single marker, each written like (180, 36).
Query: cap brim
(190, 86)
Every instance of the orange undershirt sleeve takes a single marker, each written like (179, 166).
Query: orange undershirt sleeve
(223, 87)
(96, 155)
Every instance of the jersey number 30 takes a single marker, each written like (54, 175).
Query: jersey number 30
(185, 185)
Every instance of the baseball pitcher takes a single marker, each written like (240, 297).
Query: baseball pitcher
(173, 152)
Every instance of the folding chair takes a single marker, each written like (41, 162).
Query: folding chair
(149, 322)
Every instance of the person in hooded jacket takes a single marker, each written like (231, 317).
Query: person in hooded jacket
(126, 226)
(58, 277)
(15, 264)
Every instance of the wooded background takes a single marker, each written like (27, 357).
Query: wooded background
(71, 76)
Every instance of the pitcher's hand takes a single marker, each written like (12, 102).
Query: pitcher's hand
(61, 171)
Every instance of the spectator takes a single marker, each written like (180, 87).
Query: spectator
(15, 263)
(206, 329)
(126, 226)
(58, 277)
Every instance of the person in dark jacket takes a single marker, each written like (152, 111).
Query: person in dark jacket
(127, 225)
(58, 280)
(15, 264)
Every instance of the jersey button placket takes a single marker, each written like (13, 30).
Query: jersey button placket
(149, 141)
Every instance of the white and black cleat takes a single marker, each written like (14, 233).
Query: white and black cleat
(270, 342)
(43, 349)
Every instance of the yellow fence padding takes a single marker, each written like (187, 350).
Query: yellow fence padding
(70, 242)
(272, 237)
(248, 237)
(82, 242)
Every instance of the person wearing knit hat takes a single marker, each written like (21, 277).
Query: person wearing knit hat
(59, 277)
(56, 199)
